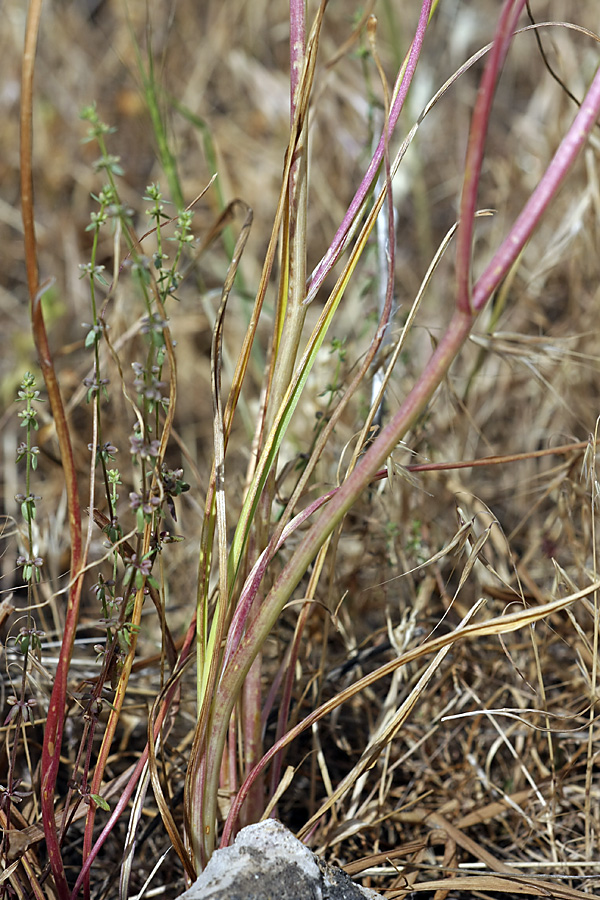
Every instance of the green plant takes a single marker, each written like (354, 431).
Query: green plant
(231, 623)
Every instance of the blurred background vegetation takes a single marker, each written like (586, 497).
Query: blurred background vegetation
(529, 380)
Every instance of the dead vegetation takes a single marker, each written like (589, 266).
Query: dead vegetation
(489, 786)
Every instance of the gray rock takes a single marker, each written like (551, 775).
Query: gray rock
(267, 862)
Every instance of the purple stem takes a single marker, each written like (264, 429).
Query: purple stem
(404, 79)
(249, 591)
(475, 149)
(297, 49)
(533, 210)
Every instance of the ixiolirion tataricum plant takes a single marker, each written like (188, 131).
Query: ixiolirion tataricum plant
(245, 639)
(230, 637)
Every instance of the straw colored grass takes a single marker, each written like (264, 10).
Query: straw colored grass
(489, 786)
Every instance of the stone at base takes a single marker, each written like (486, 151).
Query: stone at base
(267, 862)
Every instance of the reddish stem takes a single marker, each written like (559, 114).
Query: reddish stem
(137, 772)
(56, 713)
(339, 241)
(475, 149)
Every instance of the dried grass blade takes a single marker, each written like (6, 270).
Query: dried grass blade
(499, 625)
(134, 820)
(215, 505)
(163, 804)
(218, 423)
(474, 557)
(502, 885)
(209, 641)
(378, 743)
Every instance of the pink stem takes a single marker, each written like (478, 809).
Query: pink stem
(337, 245)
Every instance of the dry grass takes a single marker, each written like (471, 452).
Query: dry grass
(496, 769)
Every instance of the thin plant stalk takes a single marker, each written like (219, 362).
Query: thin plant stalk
(401, 88)
(204, 682)
(56, 713)
(475, 150)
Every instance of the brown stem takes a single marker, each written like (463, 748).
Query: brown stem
(56, 712)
